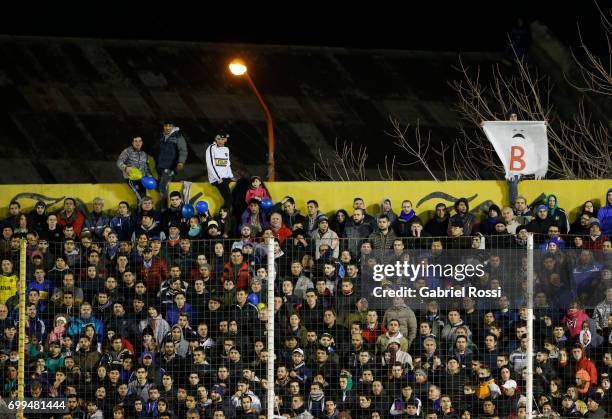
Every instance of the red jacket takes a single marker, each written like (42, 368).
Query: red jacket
(241, 280)
(76, 220)
(282, 233)
(153, 276)
(596, 244)
(586, 364)
(370, 335)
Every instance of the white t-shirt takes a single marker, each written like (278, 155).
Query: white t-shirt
(218, 163)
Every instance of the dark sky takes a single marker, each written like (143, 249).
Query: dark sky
(458, 26)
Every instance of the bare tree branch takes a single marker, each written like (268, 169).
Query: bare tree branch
(595, 73)
(389, 170)
(578, 148)
(343, 165)
(416, 149)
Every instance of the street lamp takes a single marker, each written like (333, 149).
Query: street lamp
(238, 68)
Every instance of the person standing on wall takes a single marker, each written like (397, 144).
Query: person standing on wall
(134, 158)
(513, 183)
(219, 167)
(172, 157)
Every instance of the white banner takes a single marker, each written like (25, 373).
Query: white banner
(522, 146)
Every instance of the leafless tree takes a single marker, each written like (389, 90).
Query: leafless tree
(388, 171)
(414, 145)
(595, 72)
(577, 146)
(344, 164)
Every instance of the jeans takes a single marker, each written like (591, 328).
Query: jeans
(513, 188)
(225, 192)
(165, 176)
(138, 189)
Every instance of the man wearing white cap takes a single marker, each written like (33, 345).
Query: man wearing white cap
(299, 369)
(507, 403)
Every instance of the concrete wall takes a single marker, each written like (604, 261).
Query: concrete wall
(335, 195)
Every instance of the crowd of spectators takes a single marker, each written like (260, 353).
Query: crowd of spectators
(149, 314)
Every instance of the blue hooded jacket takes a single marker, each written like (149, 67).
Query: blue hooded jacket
(605, 215)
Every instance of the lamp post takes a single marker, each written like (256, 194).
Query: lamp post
(238, 68)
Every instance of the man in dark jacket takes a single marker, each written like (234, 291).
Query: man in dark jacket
(97, 220)
(539, 225)
(463, 216)
(438, 225)
(172, 157)
(356, 231)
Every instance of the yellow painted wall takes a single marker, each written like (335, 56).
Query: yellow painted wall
(335, 195)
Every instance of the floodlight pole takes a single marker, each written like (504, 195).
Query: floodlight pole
(271, 167)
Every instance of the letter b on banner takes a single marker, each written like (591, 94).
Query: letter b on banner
(516, 158)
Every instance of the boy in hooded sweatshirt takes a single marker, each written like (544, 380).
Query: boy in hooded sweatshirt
(386, 207)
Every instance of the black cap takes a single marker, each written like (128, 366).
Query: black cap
(222, 134)
(596, 397)
(147, 249)
(168, 121)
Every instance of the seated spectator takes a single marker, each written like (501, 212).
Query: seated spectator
(323, 235)
(463, 217)
(150, 227)
(437, 226)
(123, 223)
(97, 220)
(556, 214)
(595, 239)
(9, 281)
(14, 213)
(291, 216)
(487, 226)
(356, 231)
(173, 215)
(279, 230)
(254, 216)
(69, 215)
(312, 216)
(402, 225)
(581, 225)
(257, 190)
(540, 224)
(386, 207)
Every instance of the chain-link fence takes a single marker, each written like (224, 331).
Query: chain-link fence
(379, 326)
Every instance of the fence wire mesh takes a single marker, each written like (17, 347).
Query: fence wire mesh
(177, 327)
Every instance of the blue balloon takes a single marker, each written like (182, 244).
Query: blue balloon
(253, 299)
(266, 203)
(188, 211)
(202, 207)
(149, 182)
